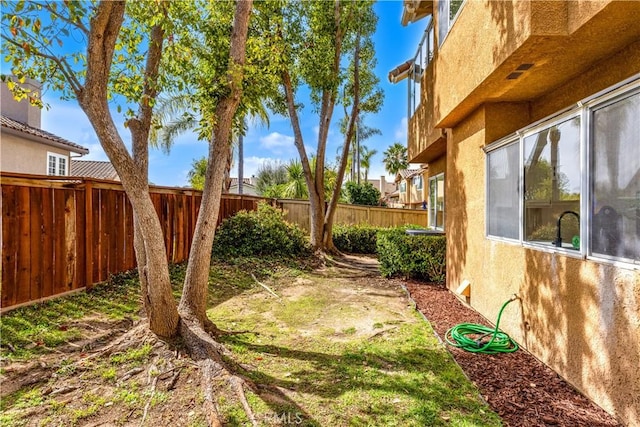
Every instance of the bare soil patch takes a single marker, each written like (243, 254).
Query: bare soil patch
(520, 388)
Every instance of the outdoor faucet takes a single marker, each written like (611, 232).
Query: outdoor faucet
(558, 241)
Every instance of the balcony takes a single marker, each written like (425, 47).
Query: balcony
(513, 52)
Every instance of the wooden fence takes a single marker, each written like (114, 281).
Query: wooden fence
(62, 234)
(297, 211)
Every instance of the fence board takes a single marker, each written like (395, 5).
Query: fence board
(130, 258)
(97, 237)
(10, 238)
(81, 241)
(59, 266)
(48, 239)
(120, 230)
(35, 214)
(69, 239)
(104, 236)
(24, 252)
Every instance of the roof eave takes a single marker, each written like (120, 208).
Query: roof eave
(414, 10)
(46, 141)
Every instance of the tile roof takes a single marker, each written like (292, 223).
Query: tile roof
(94, 169)
(407, 173)
(245, 181)
(30, 130)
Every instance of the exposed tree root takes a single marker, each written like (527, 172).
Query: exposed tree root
(215, 372)
(238, 385)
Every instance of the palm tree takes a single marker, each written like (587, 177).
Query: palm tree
(395, 158)
(174, 116)
(296, 186)
(365, 159)
(197, 173)
(270, 174)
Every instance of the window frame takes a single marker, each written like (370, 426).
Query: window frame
(449, 21)
(430, 208)
(584, 110)
(57, 157)
(420, 180)
(504, 143)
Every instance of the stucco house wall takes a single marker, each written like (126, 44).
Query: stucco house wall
(25, 146)
(581, 317)
(18, 155)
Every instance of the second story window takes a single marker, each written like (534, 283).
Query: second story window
(417, 182)
(56, 164)
(403, 187)
(448, 11)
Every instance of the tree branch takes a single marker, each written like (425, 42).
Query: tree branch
(79, 25)
(61, 63)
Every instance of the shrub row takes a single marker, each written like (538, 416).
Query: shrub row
(265, 232)
(419, 257)
(356, 239)
(259, 233)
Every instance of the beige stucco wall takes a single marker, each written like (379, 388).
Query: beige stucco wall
(24, 156)
(490, 39)
(580, 317)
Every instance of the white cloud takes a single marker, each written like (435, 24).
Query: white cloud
(401, 131)
(253, 164)
(276, 141)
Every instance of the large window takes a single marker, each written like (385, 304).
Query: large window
(572, 183)
(417, 182)
(503, 196)
(56, 164)
(552, 184)
(436, 202)
(615, 179)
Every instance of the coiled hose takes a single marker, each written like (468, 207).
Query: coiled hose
(472, 337)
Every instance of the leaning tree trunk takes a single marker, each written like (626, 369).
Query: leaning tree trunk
(327, 238)
(105, 26)
(139, 127)
(193, 303)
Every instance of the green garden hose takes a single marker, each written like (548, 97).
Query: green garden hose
(472, 337)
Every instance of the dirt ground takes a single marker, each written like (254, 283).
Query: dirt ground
(522, 390)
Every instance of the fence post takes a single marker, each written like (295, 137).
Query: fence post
(88, 220)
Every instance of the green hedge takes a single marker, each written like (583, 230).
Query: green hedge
(262, 232)
(356, 239)
(419, 257)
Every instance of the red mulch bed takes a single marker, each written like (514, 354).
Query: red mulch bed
(522, 390)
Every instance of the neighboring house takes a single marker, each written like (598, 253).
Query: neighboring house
(25, 147)
(94, 169)
(530, 114)
(248, 186)
(385, 188)
(413, 192)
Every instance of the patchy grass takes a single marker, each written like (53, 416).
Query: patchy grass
(336, 348)
(344, 352)
(30, 331)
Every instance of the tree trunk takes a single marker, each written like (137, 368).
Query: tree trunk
(327, 238)
(193, 303)
(316, 210)
(105, 26)
(139, 127)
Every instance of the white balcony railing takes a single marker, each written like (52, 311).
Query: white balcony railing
(421, 60)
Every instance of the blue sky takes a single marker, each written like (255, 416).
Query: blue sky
(394, 45)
